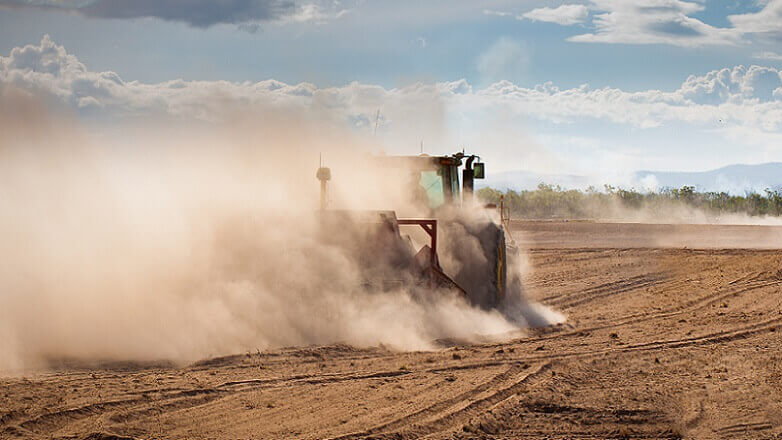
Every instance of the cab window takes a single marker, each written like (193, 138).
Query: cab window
(455, 189)
(432, 183)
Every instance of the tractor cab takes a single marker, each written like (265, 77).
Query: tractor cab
(434, 180)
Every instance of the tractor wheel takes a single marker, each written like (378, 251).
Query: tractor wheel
(499, 264)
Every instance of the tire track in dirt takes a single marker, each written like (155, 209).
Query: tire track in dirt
(455, 419)
(572, 435)
(416, 426)
(769, 325)
(440, 406)
(508, 418)
(135, 408)
(165, 406)
(607, 290)
(452, 420)
(744, 428)
(688, 307)
(52, 421)
(572, 256)
(313, 379)
(553, 299)
(458, 418)
(667, 275)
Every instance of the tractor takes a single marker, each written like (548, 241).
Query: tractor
(441, 186)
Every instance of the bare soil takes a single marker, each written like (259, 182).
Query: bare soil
(662, 341)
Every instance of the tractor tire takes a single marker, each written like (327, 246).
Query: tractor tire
(497, 255)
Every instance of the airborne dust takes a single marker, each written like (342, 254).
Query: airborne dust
(150, 242)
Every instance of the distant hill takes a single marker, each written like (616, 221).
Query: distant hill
(521, 180)
(735, 179)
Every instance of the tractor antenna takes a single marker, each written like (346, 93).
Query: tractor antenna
(377, 119)
(422, 146)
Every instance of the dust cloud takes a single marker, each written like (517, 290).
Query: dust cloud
(674, 223)
(674, 212)
(156, 241)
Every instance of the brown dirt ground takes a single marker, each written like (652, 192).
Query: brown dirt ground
(662, 341)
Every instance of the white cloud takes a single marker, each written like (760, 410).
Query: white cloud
(735, 85)
(565, 15)
(663, 22)
(766, 20)
(653, 22)
(731, 99)
(773, 56)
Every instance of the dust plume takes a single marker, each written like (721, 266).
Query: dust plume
(150, 242)
(674, 212)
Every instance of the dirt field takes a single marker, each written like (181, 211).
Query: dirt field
(662, 341)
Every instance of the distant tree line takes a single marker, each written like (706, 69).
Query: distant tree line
(552, 201)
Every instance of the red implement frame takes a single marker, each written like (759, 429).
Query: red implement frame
(437, 278)
(430, 226)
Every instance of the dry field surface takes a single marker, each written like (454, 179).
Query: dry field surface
(673, 332)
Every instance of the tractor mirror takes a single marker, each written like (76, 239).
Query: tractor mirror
(479, 170)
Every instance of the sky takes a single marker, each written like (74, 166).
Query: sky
(598, 87)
